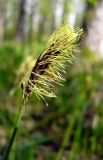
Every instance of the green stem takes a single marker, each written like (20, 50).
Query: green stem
(16, 127)
(67, 135)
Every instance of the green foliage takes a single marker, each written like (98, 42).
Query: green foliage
(75, 116)
(93, 2)
(10, 58)
(71, 127)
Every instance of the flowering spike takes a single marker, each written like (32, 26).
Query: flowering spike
(51, 62)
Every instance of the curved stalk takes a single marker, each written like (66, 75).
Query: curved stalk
(16, 127)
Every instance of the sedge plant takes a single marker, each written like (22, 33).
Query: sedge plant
(48, 70)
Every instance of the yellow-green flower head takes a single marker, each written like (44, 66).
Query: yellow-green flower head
(50, 65)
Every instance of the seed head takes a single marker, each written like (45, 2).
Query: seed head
(50, 65)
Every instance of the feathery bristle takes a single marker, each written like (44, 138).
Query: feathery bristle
(50, 65)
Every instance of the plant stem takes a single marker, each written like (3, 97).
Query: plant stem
(16, 127)
(67, 135)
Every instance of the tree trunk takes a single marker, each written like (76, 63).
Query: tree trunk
(2, 20)
(94, 39)
(21, 29)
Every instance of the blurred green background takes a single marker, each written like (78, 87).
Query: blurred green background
(71, 126)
